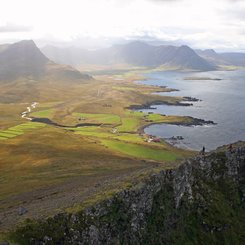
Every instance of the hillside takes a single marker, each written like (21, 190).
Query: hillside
(200, 202)
(135, 53)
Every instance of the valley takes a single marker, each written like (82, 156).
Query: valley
(41, 161)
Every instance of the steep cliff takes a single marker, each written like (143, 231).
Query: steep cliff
(200, 202)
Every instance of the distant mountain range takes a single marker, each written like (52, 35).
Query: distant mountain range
(135, 53)
(24, 59)
(142, 54)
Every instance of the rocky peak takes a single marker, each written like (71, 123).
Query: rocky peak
(185, 50)
(25, 50)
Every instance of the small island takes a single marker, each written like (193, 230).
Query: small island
(202, 78)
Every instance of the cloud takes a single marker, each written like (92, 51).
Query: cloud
(173, 1)
(238, 14)
(164, 1)
(9, 27)
(202, 23)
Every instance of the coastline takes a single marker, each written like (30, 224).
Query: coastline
(188, 122)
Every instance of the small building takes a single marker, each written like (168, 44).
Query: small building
(156, 140)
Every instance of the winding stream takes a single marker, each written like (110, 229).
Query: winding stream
(24, 114)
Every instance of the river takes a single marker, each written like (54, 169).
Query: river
(222, 101)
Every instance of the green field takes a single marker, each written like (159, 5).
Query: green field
(140, 151)
(128, 125)
(43, 113)
(133, 138)
(99, 118)
(92, 131)
(19, 130)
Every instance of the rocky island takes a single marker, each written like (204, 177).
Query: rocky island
(202, 78)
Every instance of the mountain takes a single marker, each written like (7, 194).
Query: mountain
(207, 53)
(21, 59)
(142, 54)
(213, 57)
(134, 53)
(24, 59)
(235, 59)
(185, 57)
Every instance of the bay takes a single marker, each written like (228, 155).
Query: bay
(222, 101)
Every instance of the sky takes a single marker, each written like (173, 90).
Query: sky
(217, 24)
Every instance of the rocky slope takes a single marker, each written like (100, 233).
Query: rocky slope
(200, 202)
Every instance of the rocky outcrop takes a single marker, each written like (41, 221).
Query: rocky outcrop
(200, 202)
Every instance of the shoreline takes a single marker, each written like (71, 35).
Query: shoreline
(184, 99)
(193, 122)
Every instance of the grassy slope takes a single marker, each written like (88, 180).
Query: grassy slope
(140, 151)
(44, 113)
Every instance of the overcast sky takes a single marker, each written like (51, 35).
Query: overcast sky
(218, 24)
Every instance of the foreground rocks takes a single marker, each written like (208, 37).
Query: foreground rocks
(200, 202)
